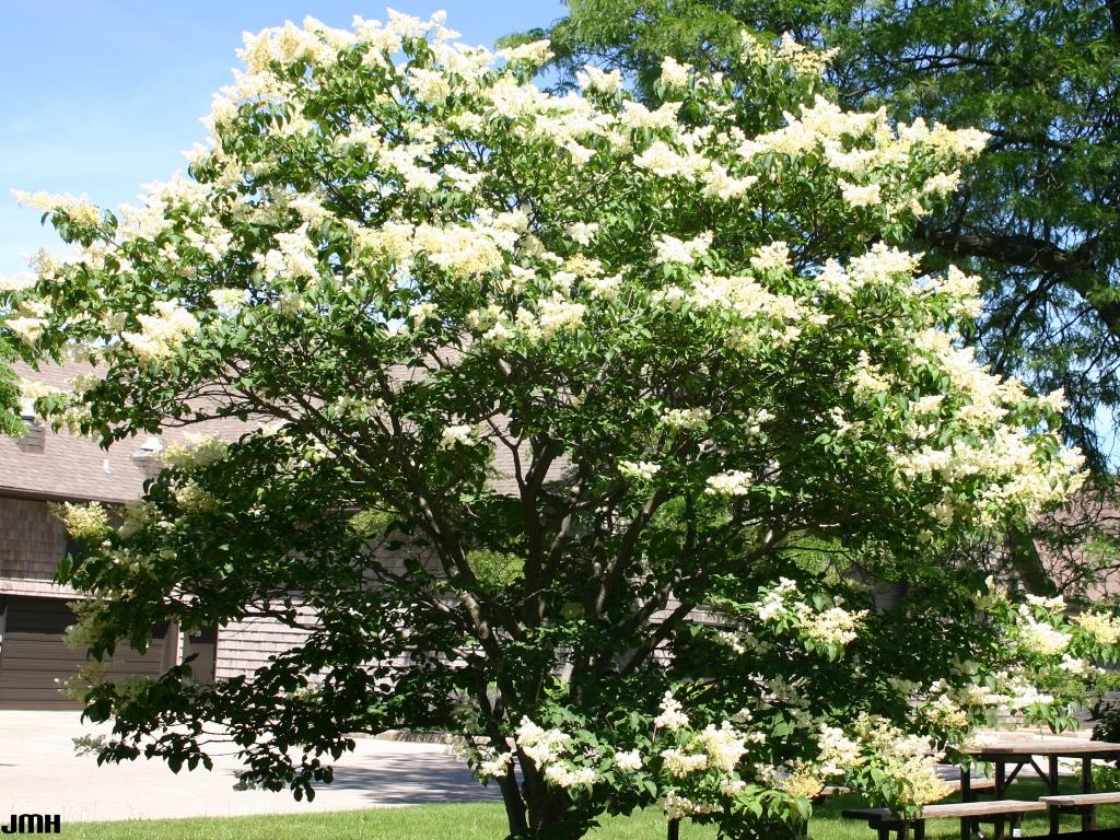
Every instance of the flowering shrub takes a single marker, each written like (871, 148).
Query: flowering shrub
(553, 404)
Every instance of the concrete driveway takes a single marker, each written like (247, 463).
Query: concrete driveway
(40, 773)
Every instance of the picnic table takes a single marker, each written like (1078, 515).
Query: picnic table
(1009, 755)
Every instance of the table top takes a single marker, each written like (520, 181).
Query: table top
(996, 748)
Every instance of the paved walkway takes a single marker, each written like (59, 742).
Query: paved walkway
(39, 773)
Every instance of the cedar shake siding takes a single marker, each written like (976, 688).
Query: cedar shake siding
(45, 467)
(32, 541)
(246, 645)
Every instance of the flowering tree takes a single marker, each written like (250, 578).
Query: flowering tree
(577, 428)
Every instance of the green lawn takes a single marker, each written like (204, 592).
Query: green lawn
(487, 822)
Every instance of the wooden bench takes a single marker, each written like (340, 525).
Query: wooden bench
(1084, 804)
(973, 784)
(997, 811)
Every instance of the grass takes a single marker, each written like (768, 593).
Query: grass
(487, 822)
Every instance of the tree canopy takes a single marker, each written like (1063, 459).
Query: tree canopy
(1037, 212)
(591, 431)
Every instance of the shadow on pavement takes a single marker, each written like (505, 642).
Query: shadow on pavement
(413, 779)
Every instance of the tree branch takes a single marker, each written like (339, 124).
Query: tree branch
(1075, 273)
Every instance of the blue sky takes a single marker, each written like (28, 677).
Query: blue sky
(102, 96)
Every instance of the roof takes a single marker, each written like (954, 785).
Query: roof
(63, 466)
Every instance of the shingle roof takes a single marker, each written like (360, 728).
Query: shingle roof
(59, 465)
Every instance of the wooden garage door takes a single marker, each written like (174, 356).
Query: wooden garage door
(33, 656)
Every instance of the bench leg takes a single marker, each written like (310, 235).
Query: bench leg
(1089, 818)
(1055, 820)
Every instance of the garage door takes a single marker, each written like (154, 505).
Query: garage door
(33, 657)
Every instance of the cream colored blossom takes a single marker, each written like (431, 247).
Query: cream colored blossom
(834, 626)
(161, 335)
(228, 301)
(672, 717)
(673, 73)
(803, 783)
(27, 330)
(860, 195)
(719, 183)
(637, 115)
(642, 470)
(1041, 638)
(557, 314)
(540, 745)
(583, 232)
(673, 250)
(495, 767)
(944, 712)
(628, 761)
(837, 752)
(463, 434)
(567, 777)
(194, 499)
(592, 78)
(677, 807)
(730, 483)
(772, 257)
(535, 52)
(1101, 626)
(724, 746)
(87, 523)
(687, 418)
(195, 452)
(77, 208)
(679, 763)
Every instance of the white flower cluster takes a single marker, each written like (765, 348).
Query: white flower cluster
(730, 483)
(837, 753)
(905, 761)
(946, 713)
(673, 73)
(161, 335)
(673, 250)
(680, 763)
(773, 603)
(77, 208)
(1101, 626)
(686, 418)
(494, 766)
(723, 746)
(629, 761)
(462, 434)
(192, 498)
(672, 718)
(834, 626)
(677, 807)
(641, 470)
(563, 776)
(771, 258)
(548, 749)
(1041, 638)
(542, 746)
(88, 523)
(195, 452)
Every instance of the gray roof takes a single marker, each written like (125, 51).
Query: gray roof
(60, 465)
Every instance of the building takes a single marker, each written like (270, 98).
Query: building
(45, 468)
